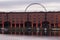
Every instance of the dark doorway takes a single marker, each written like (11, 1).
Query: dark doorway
(7, 26)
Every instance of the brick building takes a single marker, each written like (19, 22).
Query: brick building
(29, 20)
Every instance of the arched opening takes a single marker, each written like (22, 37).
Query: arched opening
(7, 24)
(28, 26)
(45, 24)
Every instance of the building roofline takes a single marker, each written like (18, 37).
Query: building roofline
(33, 12)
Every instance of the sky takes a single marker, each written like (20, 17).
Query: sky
(20, 5)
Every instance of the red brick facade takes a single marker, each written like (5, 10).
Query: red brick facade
(36, 19)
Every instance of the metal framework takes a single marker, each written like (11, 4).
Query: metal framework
(37, 4)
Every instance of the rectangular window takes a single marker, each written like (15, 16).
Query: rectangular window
(21, 25)
(1, 25)
(34, 24)
(17, 25)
